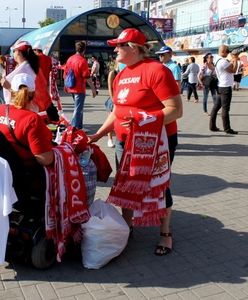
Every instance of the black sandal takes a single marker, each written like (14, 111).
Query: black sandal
(130, 232)
(162, 250)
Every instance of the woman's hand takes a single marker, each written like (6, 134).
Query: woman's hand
(5, 83)
(93, 138)
(128, 122)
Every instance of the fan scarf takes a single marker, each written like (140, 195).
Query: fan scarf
(66, 198)
(144, 171)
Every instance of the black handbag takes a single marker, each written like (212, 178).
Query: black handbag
(210, 81)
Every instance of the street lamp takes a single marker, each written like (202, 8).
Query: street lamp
(23, 14)
(10, 9)
(74, 7)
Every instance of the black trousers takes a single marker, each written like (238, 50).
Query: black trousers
(192, 89)
(223, 100)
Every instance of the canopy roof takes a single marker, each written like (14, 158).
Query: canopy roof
(91, 26)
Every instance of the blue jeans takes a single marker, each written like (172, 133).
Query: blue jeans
(1, 96)
(206, 90)
(184, 85)
(77, 118)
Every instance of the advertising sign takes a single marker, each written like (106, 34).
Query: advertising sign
(162, 25)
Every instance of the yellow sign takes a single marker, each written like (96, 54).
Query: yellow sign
(113, 21)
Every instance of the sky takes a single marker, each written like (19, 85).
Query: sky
(35, 10)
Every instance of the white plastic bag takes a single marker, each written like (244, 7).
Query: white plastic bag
(105, 235)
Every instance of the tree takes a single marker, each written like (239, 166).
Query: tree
(46, 22)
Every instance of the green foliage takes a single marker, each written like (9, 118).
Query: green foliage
(46, 22)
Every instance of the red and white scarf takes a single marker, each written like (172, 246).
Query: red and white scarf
(144, 171)
(66, 198)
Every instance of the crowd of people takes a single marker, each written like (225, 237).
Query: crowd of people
(218, 76)
(143, 107)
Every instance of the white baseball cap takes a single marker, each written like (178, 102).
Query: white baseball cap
(23, 79)
(37, 46)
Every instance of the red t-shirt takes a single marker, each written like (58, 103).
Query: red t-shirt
(45, 63)
(143, 85)
(29, 129)
(81, 71)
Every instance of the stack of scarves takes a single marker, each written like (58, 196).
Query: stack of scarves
(144, 171)
(66, 199)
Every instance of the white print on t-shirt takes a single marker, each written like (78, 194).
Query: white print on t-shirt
(122, 95)
(3, 120)
(129, 80)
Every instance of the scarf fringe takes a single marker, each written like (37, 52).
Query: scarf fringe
(132, 187)
(150, 219)
(156, 191)
(124, 203)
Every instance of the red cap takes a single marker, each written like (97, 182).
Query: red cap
(129, 35)
(22, 46)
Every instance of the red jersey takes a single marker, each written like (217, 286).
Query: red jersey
(29, 129)
(81, 71)
(144, 86)
(45, 63)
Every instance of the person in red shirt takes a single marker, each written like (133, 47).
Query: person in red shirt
(29, 128)
(144, 84)
(79, 65)
(29, 136)
(45, 62)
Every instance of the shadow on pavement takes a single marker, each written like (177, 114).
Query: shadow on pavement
(204, 252)
(198, 185)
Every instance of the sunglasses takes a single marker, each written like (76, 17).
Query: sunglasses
(121, 45)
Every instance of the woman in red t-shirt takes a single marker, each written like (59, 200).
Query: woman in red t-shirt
(145, 88)
(30, 138)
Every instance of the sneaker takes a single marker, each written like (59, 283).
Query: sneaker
(214, 129)
(231, 131)
(111, 144)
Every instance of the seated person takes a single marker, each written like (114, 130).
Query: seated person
(29, 136)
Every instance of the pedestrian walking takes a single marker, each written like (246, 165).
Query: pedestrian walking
(208, 79)
(224, 71)
(78, 64)
(192, 73)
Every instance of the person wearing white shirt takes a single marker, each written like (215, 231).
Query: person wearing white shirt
(224, 70)
(192, 73)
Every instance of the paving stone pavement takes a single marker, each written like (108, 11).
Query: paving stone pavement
(210, 225)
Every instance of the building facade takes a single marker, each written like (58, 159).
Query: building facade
(194, 27)
(105, 3)
(111, 3)
(57, 13)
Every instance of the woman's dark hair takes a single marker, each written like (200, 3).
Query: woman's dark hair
(32, 59)
(205, 57)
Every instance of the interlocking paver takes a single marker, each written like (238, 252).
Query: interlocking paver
(11, 294)
(46, 291)
(210, 224)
